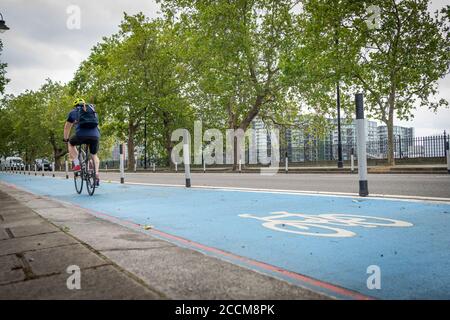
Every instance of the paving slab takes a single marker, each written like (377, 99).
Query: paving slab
(36, 242)
(97, 283)
(15, 210)
(60, 215)
(33, 229)
(7, 201)
(97, 233)
(10, 270)
(20, 220)
(10, 207)
(56, 260)
(42, 204)
(3, 234)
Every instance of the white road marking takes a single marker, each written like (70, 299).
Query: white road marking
(330, 225)
(302, 192)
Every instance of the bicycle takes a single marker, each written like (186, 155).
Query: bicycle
(87, 172)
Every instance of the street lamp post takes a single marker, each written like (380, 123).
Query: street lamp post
(340, 163)
(338, 102)
(3, 26)
(145, 140)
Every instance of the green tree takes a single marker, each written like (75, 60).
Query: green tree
(27, 139)
(406, 58)
(32, 122)
(326, 54)
(6, 127)
(233, 50)
(54, 104)
(135, 78)
(397, 64)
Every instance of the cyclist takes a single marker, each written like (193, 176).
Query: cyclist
(86, 132)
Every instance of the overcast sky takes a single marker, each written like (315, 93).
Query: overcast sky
(40, 45)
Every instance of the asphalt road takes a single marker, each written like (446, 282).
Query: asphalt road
(423, 185)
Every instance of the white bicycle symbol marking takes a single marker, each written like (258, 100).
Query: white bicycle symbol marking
(329, 224)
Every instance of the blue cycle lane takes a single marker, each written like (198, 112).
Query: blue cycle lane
(327, 238)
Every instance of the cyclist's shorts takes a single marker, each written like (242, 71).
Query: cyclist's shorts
(92, 142)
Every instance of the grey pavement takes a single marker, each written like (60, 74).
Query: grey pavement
(41, 238)
(423, 185)
(35, 255)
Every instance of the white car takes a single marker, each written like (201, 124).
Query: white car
(14, 162)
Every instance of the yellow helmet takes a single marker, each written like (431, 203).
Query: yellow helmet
(78, 101)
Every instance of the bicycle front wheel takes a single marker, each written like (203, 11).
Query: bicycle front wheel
(78, 179)
(90, 176)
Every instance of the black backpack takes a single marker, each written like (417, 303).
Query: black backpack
(87, 119)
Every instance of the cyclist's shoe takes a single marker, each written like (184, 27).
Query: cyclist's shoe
(76, 168)
(97, 181)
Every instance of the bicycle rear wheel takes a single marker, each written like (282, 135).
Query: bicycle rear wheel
(90, 175)
(78, 177)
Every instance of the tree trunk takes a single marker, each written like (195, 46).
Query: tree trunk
(235, 155)
(168, 145)
(244, 125)
(390, 125)
(390, 130)
(57, 152)
(130, 145)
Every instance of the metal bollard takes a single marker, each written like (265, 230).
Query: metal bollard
(53, 169)
(448, 157)
(187, 158)
(29, 169)
(361, 139)
(154, 167)
(67, 169)
(286, 160)
(176, 167)
(35, 170)
(352, 159)
(204, 166)
(43, 169)
(240, 166)
(106, 168)
(122, 160)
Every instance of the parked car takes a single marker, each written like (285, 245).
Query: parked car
(43, 163)
(14, 162)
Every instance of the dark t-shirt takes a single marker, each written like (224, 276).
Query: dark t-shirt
(82, 132)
